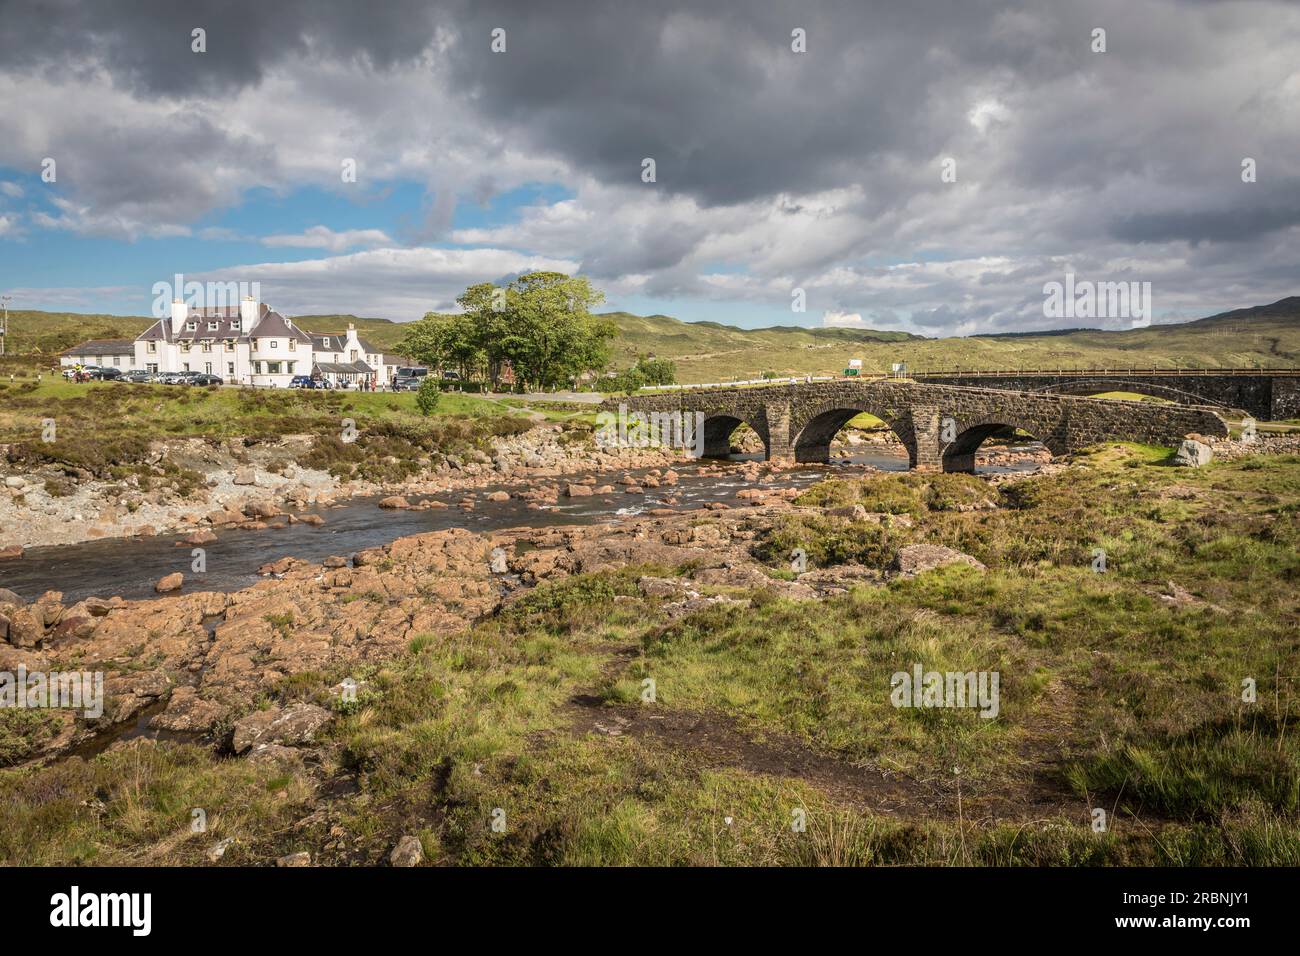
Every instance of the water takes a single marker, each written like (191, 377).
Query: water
(130, 567)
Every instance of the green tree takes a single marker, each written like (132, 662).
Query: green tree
(426, 399)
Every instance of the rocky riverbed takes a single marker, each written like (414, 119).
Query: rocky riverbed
(192, 664)
(252, 486)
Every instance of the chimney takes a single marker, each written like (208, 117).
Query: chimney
(179, 314)
(247, 313)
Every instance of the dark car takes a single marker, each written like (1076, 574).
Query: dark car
(105, 374)
(302, 381)
(401, 384)
(206, 379)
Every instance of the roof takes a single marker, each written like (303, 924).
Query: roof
(336, 342)
(342, 368)
(275, 325)
(102, 347)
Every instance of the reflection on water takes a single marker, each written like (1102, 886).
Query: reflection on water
(130, 566)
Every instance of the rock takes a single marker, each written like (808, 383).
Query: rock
(293, 726)
(1193, 454)
(171, 582)
(10, 597)
(261, 509)
(314, 520)
(853, 512)
(218, 849)
(497, 562)
(26, 628)
(187, 712)
(302, 858)
(12, 552)
(499, 496)
(202, 536)
(245, 476)
(15, 481)
(917, 558)
(408, 852)
(395, 502)
(334, 561)
(578, 491)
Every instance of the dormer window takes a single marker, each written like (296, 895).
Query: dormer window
(191, 326)
(326, 341)
(213, 326)
(235, 326)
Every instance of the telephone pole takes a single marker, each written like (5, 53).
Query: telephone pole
(4, 323)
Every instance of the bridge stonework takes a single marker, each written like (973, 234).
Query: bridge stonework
(940, 426)
(1267, 395)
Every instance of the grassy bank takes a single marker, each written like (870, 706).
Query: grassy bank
(104, 427)
(1120, 691)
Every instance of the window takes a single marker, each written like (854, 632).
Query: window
(235, 326)
(117, 360)
(207, 345)
(255, 345)
(275, 343)
(230, 345)
(257, 368)
(272, 368)
(185, 366)
(213, 326)
(185, 346)
(353, 354)
(191, 326)
(207, 367)
(152, 368)
(293, 345)
(325, 342)
(230, 368)
(153, 347)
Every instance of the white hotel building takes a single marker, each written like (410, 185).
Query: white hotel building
(250, 345)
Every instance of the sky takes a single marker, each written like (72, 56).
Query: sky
(926, 166)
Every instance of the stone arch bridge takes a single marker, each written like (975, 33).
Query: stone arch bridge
(941, 426)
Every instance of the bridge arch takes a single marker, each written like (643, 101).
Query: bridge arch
(959, 454)
(818, 425)
(718, 427)
(1095, 386)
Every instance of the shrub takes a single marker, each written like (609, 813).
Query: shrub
(426, 399)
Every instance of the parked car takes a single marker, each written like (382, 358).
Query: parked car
(403, 384)
(106, 374)
(138, 376)
(176, 378)
(302, 381)
(203, 378)
(71, 373)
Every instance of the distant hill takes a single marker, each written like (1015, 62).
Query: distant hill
(710, 351)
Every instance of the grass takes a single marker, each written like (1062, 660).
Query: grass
(1110, 697)
(105, 428)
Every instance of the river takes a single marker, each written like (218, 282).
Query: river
(129, 567)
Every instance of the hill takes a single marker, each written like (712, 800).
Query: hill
(710, 351)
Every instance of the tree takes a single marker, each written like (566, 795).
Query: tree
(540, 323)
(426, 399)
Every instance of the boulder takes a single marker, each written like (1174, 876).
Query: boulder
(408, 852)
(917, 558)
(171, 582)
(1193, 454)
(395, 502)
(499, 496)
(578, 491)
(245, 476)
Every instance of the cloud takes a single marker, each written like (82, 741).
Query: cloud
(8, 226)
(400, 284)
(843, 320)
(818, 170)
(323, 237)
(12, 190)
